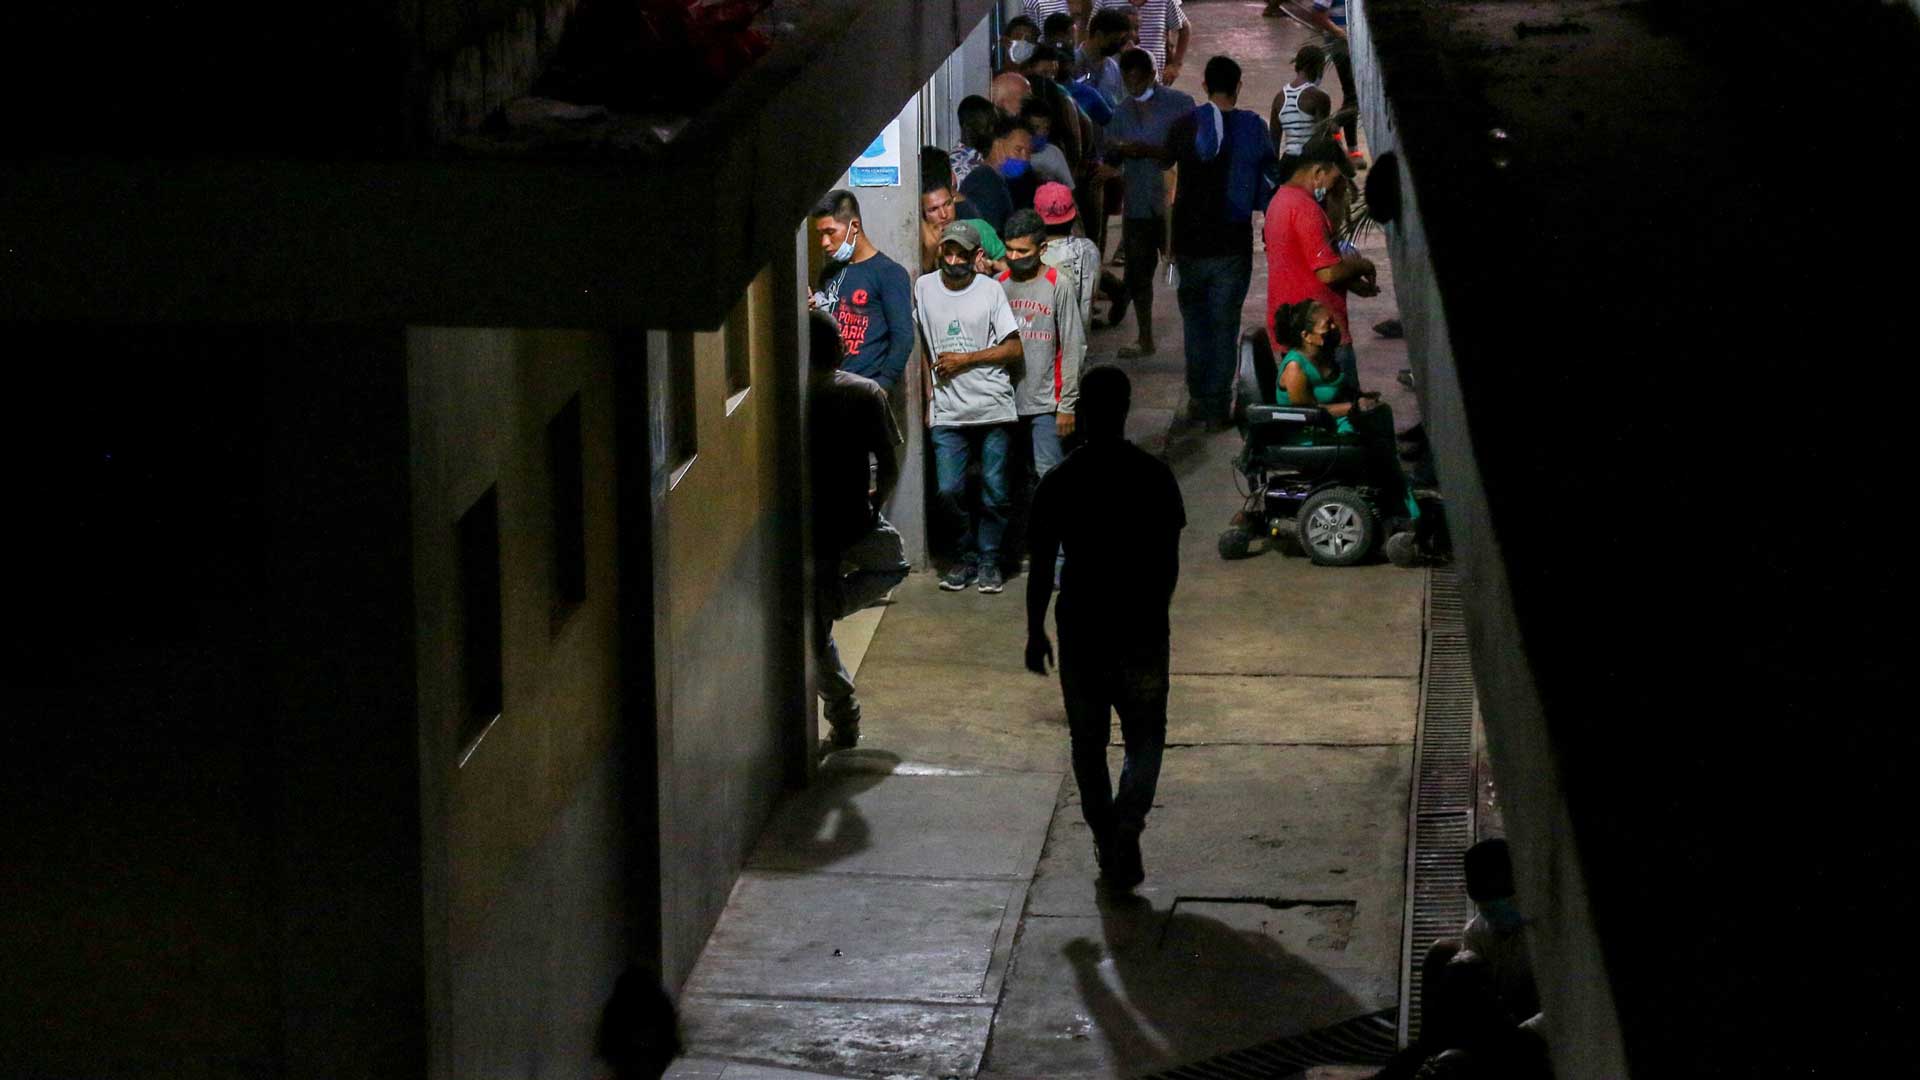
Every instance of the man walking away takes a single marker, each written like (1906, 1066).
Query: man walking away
(1227, 169)
(974, 340)
(875, 308)
(1137, 138)
(1047, 304)
(858, 555)
(1301, 106)
(1114, 631)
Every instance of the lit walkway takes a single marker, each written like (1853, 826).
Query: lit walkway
(928, 907)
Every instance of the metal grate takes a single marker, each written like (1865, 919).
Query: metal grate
(1366, 1040)
(1441, 825)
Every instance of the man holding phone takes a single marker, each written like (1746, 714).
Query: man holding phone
(1304, 256)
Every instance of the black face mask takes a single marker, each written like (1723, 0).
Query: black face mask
(1113, 49)
(1332, 338)
(1025, 266)
(956, 271)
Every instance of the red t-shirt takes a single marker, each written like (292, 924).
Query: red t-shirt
(1300, 241)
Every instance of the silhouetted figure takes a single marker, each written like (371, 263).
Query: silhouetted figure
(639, 1028)
(859, 556)
(1115, 511)
(1495, 933)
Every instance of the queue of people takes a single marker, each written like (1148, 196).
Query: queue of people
(1081, 122)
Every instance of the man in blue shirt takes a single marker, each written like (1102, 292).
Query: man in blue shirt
(1137, 140)
(1227, 170)
(872, 298)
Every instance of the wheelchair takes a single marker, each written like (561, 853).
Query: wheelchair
(1330, 499)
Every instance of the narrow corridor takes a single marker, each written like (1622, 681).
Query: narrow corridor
(928, 907)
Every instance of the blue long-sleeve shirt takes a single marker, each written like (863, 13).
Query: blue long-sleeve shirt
(875, 313)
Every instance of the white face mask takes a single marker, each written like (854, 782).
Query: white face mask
(845, 251)
(1020, 51)
(1144, 94)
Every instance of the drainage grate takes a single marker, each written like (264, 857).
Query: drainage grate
(1441, 825)
(1366, 1040)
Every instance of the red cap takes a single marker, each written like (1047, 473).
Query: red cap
(1054, 201)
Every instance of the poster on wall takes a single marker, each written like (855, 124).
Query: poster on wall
(879, 165)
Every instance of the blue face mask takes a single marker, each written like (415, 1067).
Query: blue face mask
(1039, 143)
(1013, 168)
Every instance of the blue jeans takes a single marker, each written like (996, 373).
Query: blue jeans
(1212, 290)
(954, 449)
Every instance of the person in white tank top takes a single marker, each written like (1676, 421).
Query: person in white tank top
(1301, 106)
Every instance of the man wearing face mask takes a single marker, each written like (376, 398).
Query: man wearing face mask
(1041, 70)
(873, 302)
(994, 192)
(974, 339)
(1137, 139)
(1047, 303)
(1304, 260)
(1045, 159)
(1017, 40)
(1098, 58)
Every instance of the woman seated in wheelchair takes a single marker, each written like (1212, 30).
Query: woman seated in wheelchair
(1310, 376)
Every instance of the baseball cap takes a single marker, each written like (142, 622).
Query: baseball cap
(963, 234)
(1054, 201)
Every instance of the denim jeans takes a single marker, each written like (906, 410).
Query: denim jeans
(1212, 290)
(954, 448)
(1096, 685)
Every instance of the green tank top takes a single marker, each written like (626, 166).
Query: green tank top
(1325, 391)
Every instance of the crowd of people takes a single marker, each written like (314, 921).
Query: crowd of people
(1082, 122)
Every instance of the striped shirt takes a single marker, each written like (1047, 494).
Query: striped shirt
(1154, 18)
(1295, 126)
(1038, 10)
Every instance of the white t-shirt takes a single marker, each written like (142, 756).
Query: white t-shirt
(977, 317)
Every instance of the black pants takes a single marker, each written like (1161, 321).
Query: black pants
(1098, 680)
(1142, 239)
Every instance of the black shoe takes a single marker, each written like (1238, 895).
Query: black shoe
(1117, 307)
(959, 576)
(1123, 869)
(1390, 328)
(843, 726)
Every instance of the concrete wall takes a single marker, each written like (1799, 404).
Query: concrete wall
(729, 641)
(1574, 989)
(526, 859)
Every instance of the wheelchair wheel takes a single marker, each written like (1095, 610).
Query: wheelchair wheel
(1234, 543)
(1338, 527)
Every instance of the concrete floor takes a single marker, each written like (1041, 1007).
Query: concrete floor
(928, 908)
